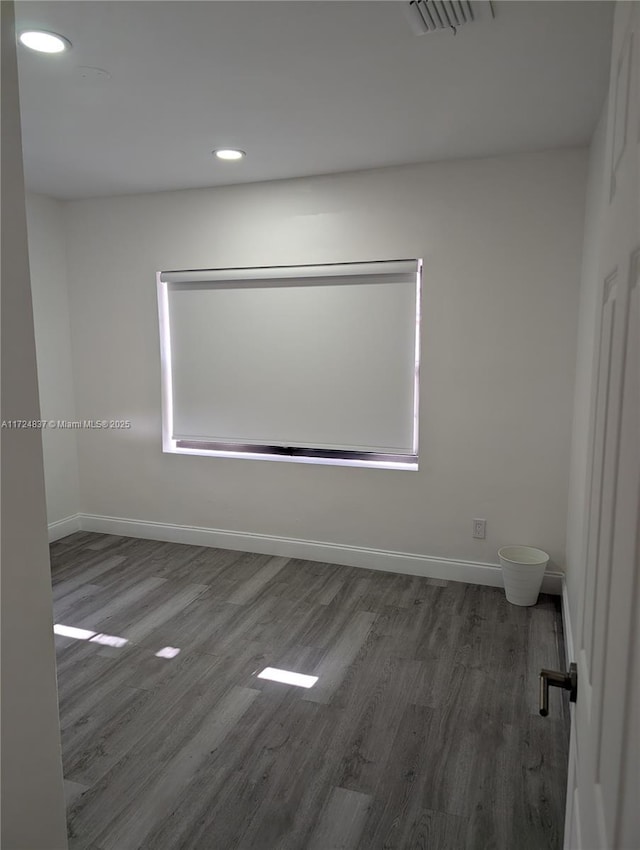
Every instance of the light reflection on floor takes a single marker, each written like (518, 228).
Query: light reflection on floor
(167, 652)
(106, 640)
(287, 677)
(85, 634)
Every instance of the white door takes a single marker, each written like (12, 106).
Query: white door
(603, 799)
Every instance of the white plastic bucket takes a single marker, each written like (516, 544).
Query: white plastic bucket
(523, 570)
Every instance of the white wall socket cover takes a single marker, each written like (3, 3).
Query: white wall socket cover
(480, 528)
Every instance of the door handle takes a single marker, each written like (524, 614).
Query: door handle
(567, 681)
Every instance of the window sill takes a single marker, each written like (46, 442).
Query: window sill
(321, 457)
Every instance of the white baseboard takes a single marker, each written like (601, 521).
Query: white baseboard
(566, 625)
(63, 527)
(472, 572)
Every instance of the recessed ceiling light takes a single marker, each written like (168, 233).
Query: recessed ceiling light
(44, 42)
(229, 154)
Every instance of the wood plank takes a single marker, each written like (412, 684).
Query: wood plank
(103, 543)
(430, 830)
(82, 574)
(399, 793)
(70, 596)
(166, 731)
(152, 801)
(99, 620)
(332, 587)
(373, 711)
(166, 610)
(334, 666)
(73, 790)
(120, 718)
(252, 587)
(342, 821)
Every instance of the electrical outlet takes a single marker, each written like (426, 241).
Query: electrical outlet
(480, 529)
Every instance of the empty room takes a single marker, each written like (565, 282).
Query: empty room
(320, 417)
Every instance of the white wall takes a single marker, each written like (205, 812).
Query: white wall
(33, 815)
(48, 264)
(501, 239)
(586, 350)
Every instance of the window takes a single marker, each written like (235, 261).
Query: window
(315, 364)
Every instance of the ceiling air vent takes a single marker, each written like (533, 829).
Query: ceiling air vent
(430, 15)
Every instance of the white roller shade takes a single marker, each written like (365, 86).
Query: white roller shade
(397, 270)
(319, 357)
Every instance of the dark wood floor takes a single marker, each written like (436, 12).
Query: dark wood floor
(421, 732)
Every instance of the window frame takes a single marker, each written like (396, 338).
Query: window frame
(274, 452)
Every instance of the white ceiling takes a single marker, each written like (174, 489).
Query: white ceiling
(303, 87)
